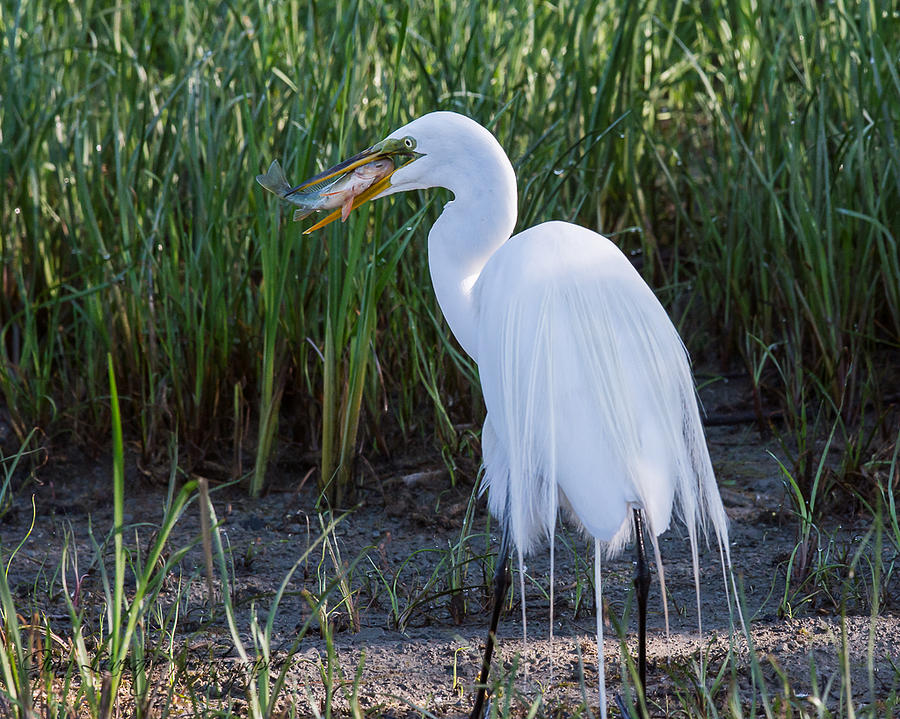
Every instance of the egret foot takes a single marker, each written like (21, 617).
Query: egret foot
(623, 709)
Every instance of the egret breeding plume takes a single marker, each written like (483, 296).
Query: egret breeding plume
(591, 407)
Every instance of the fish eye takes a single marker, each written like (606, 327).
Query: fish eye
(409, 142)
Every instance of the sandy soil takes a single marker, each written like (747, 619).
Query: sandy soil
(407, 521)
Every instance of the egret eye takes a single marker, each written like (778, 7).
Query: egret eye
(409, 142)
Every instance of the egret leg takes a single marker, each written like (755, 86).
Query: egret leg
(641, 589)
(502, 580)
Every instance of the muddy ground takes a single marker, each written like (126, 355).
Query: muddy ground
(425, 652)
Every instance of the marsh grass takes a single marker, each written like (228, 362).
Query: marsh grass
(746, 151)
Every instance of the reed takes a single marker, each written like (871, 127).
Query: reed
(746, 152)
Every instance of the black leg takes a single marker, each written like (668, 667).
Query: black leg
(501, 584)
(642, 589)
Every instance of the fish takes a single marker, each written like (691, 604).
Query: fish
(327, 194)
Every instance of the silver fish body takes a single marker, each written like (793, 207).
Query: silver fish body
(328, 194)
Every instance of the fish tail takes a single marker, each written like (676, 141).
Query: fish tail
(274, 180)
(301, 214)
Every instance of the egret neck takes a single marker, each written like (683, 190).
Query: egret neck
(473, 225)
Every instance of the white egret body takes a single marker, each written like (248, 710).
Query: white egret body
(591, 404)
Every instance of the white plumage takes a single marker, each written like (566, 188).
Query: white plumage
(588, 391)
(590, 399)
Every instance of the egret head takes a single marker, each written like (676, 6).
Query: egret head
(438, 149)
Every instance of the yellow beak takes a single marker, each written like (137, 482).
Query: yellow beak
(360, 199)
(386, 148)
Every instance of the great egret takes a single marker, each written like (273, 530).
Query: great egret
(591, 406)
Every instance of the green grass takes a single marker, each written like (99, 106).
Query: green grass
(745, 152)
(748, 150)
